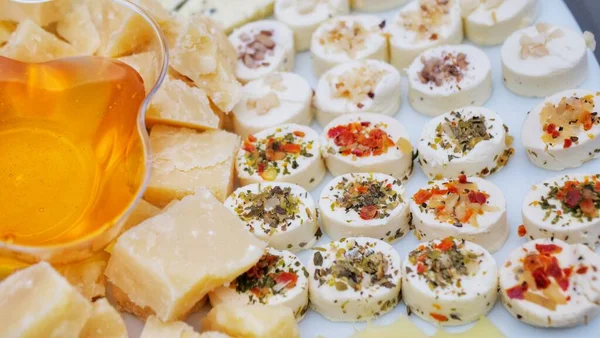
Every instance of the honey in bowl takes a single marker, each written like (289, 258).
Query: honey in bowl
(72, 160)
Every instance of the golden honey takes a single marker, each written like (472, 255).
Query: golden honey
(72, 160)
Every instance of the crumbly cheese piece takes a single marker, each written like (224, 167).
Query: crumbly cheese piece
(39, 302)
(180, 105)
(146, 64)
(104, 322)
(252, 321)
(31, 43)
(230, 14)
(154, 328)
(87, 277)
(159, 264)
(184, 160)
(42, 14)
(78, 29)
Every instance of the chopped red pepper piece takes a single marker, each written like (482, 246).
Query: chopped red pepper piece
(564, 284)
(291, 148)
(287, 277)
(573, 197)
(462, 179)
(446, 244)
(477, 197)
(368, 212)
(522, 230)
(335, 131)
(553, 269)
(548, 248)
(438, 317)
(541, 280)
(588, 208)
(299, 133)
(422, 196)
(567, 143)
(517, 291)
(421, 268)
(582, 270)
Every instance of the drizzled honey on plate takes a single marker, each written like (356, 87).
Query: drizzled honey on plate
(71, 157)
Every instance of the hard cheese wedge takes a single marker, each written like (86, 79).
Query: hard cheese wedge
(154, 328)
(172, 260)
(184, 160)
(252, 321)
(105, 322)
(78, 29)
(39, 302)
(42, 14)
(146, 64)
(87, 277)
(6, 29)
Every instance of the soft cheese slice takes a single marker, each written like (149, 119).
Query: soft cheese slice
(376, 5)
(39, 302)
(154, 328)
(160, 265)
(450, 282)
(104, 322)
(369, 205)
(252, 321)
(361, 143)
(563, 131)
(275, 99)
(472, 141)
(469, 208)
(146, 64)
(79, 30)
(346, 38)
(184, 160)
(229, 14)
(303, 17)
(566, 208)
(449, 77)
(490, 22)
(87, 277)
(365, 86)
(354, 279)
(544, 59)
(420, 25)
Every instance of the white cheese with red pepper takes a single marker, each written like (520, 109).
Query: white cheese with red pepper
(449, 77)
(359, 143)
(469, 208)
(279, 278)
(450, 282)
(366, 86)
(275, 99)
(347, 38)
(354, 279)
(549, 283)
(421, 25)
(282, 214)
(544, 59)
(287, 153)
(565, 207)
(472, 141)
(563, 131)
(303, 17)
(367, 205)
(490, 22)
(263, 47)
(376, 5)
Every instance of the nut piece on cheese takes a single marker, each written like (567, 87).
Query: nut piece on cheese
(31, 43)
(79, 30)
(184, 160)
(180, 105)
(146, 65)
(231, 13)
(39, 302)
(172, 260)
(104, 322)
(87, 277)
(252, 321)
(154, 328)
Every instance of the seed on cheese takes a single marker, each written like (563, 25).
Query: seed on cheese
(104, 322)
(160, 265)
(184, 160)
(39, 302)
(87, 277)
(154, 328)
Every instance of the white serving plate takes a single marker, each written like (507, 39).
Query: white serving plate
(514, 180)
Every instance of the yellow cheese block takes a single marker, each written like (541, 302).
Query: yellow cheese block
(87, 277)
(42, 13)
(146, 64)
(482, 329)
(38, 302)
(180, 105)
(252, 321)
(104, 322)
(154, 328)
(6, 29)
(184, 160)
(403, 324)
(78, 29)
(231, 13)
(172, 260)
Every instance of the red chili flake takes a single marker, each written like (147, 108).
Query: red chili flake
(368, 212)
(551, 128)
(421, 268)
(249, 147)
(287, 277)
(299, 133)
(517, 291)
(251, 138)
(462, 179)
(548, 248)
(477, 197)
(422, 196)
(389, 186)
(541, 280)
(555, 134)
(345, 139)
(335, 131)
(582, 270)
(573, 197)
(291, 148)
(553, 269)
(438, 317)
(522, 230)
(568, 272)
(357, 152)
(563, 283)
(567, 144)
(446, 244)
(261, 168)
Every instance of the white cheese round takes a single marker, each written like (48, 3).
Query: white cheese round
(304, 16)
(565, 207)
(359, 143)
(275, 99)
(420, 25)
(366, 86)
(376, 5)
(445, 150)
(543, 59)
(281, 214)
(287, 153)
(263, 47)
(549, 283)
(490, 22)
(449, 77)
(573, 117)
(472, 209)
(346, 38)
(365, 205)
(355, 279)
(450, 282)
(279, 278)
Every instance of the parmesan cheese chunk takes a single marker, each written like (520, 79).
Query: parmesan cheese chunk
(105, 322)
(39, 302)
(79, 30)
(42, 14)
(146, 64)
(252, 321)
(184, 160)
(140, 213)
(154, 328)
(87, 277)
(172, 260)
(6, 29)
